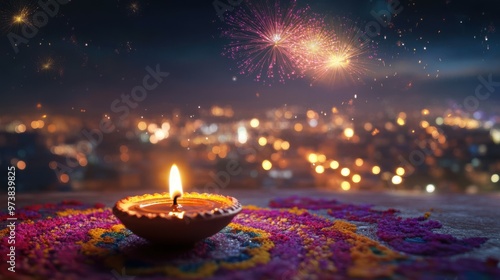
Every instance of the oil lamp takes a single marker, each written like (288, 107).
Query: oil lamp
(176, 218)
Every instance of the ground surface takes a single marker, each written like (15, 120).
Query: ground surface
(461, 215)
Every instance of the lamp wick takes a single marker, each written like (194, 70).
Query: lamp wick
(175, 199)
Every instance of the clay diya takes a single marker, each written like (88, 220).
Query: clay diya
(176, 219)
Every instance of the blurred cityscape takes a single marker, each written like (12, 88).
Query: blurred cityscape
(426, 150)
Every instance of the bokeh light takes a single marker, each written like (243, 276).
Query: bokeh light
(345, 185)
(334, 164)
(396, 180)
(345, 172)
(349, 132)
(319, 169)
(356, 178)
(400, 171)
(267, 165)
(254, 123)
(495, 178)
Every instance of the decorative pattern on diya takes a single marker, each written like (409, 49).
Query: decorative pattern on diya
(72, 241)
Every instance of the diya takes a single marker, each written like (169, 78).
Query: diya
(176, 218)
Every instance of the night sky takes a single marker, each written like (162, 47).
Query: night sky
(91, 52)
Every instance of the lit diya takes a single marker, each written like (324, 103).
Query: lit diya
(176, 218)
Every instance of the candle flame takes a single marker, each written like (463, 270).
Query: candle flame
(175, 184)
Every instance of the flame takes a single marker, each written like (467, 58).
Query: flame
(175, 184)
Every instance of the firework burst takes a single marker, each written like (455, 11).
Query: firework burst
(50, 66)
(16, 14)
(21, 17)
(276, 42)
(134, 8)
(46, 64)
(263, 36)
(346, 58)
(314, 41)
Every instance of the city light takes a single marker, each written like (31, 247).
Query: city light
(82, 161)
(267, 165)
(320, 169)
(356, 178)
(51, 128)
(349, 132)
(124, 157)
(334, 164)
(242, 135)
(262, 141)
(345, 185)
(345, 172)
(21, 128)
(21, 165)
(216, 150)
(311, 114)
(312, 158)
(275, 156)
(160, 134)
(400, 121)
(64, 178)
(165, 126)
(254, 123)
(495, 135)
(285, 145)
(211, 156)
(218, 140)
(400, 171)
(321, 158)
(313, 122)
(430, 188)
(37, 124)
(277, 144)
(298, 127)
(495, 178)
(396, 180)
(123, 149)
(152, 127)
